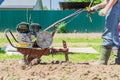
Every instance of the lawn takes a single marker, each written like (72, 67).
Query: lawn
(73, 40)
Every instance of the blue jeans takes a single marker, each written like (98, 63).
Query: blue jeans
(110, 35)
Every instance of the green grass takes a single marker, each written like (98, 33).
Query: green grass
(3, 40)
(58, 40)
(74, 57)
(76, 40)
(5, 56)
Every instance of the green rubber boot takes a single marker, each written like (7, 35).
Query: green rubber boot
(105, 54)
(117, 57)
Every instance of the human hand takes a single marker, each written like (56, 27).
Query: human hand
(103, 12)
(94, 7)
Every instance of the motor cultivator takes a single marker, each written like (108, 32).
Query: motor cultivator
(32, 43)
(40, 45)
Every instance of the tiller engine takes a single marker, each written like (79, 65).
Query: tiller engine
(32, 43)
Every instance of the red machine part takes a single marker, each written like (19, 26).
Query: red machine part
(36, 53)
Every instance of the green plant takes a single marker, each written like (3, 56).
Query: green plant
(95, 1)
(61, 27)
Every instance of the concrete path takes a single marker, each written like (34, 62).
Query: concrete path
(11, 50)
(83, 50)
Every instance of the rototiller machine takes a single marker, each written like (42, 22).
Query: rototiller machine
(34, 49)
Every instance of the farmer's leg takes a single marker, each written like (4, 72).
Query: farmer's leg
(111, 35)
(107, 43)
(115, 39)
(110, 38)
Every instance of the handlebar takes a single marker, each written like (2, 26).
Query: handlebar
(67, 17)
(8, 30)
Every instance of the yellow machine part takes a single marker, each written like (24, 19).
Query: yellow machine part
(22, 45)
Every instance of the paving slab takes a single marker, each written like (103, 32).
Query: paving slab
(13, 51)
(83, 50)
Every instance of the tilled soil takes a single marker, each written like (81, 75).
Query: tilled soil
(12, 70)
(56, 70)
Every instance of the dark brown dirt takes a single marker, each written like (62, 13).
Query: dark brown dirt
(12, 70)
